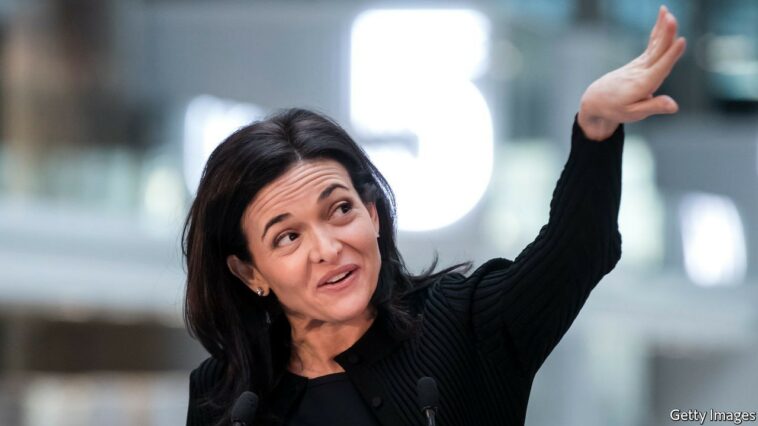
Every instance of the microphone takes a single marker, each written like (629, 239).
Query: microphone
(427, 394)
(243, 412)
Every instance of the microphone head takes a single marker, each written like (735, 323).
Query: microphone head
(244, 408)
(427, 394)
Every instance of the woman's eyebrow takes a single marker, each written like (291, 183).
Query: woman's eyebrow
(276, 219)
(329, 189)
(324, 195)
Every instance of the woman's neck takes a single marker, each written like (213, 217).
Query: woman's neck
(316, 343)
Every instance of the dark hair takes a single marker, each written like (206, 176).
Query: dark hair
(222, 312)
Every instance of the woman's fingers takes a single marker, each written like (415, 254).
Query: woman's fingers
(662, 68)
(662, 11)
(626, 95)
(664, 38)
(658, 105)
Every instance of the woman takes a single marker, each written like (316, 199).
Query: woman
(296, 287)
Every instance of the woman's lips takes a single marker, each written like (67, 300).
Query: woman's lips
(340, 285)
(336, 272)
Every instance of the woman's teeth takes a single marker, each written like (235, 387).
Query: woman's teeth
(339, 277)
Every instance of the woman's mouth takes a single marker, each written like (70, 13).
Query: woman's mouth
(339, 278)
(340, 281)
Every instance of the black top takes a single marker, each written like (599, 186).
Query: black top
(331, 400)
(483, 337)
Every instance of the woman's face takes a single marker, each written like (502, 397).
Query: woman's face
(313, 243)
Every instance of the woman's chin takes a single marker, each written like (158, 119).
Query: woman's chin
(350, 307)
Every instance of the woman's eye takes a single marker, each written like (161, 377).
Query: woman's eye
(285, 239)
(344, 208)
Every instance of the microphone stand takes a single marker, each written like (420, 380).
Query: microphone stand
(430, 419)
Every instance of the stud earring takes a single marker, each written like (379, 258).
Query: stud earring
(259, 292)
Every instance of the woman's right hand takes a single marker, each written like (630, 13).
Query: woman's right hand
(625, 95)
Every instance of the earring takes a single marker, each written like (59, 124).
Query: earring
(259, 292)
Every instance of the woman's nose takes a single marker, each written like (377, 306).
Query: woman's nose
(326, 248)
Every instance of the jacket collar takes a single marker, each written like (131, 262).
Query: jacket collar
(375, 344)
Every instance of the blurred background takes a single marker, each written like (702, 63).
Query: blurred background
(109, 109)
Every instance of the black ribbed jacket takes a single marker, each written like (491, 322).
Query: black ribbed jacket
(483, 337)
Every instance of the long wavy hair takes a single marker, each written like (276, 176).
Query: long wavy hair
(248, 334)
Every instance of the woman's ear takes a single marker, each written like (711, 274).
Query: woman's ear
(374, 216)
(247, 274)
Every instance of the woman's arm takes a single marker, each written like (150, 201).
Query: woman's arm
(201, 380)
(520, 310)
(194, 414)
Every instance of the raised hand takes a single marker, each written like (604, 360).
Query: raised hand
(625, 95)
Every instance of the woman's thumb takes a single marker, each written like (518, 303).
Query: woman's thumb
(662, 104)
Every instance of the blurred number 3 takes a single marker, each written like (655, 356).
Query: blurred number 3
(411, 75)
